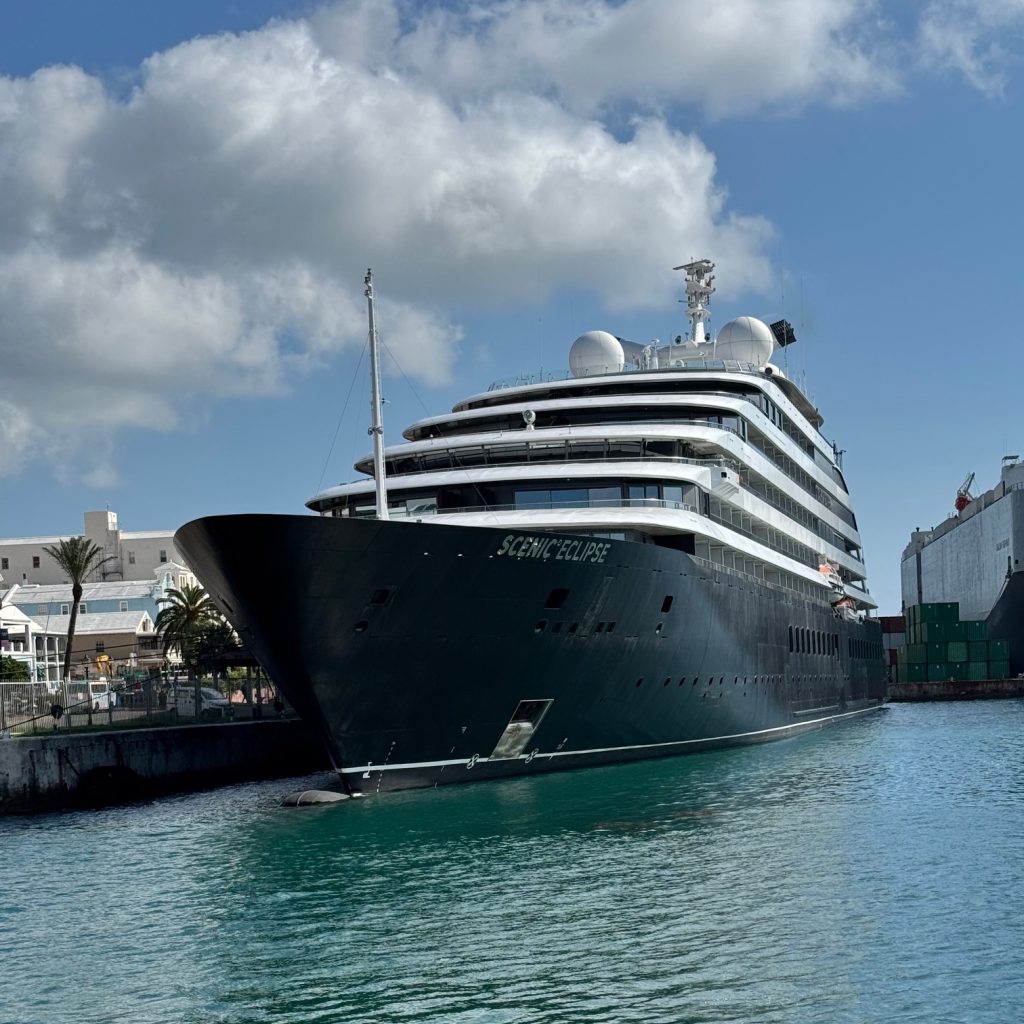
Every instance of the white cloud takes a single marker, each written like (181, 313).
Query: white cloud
(979, 39)
(729, 57)
(206, 236)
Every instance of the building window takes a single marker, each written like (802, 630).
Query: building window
(131, 557)
(35, 561)
(163, 555)
(84, 608)
(65, 609)
(122, 606)
(4, 563)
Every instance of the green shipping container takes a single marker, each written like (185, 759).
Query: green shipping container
(975, 630)
(912, 616)
(937, 651)
(999, 650)
(917, 654)
(940, 611)
(998, 670)
(959, 671)
(913, 673)
(977, 650)
(977, 670)
(934, 632)
(956, 631)
(956, 650)
(913, 633)
(937, 671)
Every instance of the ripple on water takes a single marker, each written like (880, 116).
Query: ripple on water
(865, 873)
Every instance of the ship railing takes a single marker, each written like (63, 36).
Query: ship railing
(523, 380)
(431, 510)
(570, 458)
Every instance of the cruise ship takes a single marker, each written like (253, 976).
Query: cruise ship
(656, 555)
(976, 557)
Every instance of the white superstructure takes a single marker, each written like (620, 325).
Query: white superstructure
(702, 445)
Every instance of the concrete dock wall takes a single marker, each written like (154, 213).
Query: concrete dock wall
(986, 689)
(47, 772)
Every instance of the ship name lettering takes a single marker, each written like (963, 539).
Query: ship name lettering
(518, 545)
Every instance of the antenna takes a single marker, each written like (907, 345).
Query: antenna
(377, 423)
(698, 293)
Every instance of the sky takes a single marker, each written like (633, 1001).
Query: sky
(190, 195)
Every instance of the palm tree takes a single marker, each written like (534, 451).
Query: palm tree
(181, 621)
(79, 558)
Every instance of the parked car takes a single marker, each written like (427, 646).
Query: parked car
(212, 703)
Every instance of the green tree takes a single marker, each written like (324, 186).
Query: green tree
(214, 638)
(12, 671)
(180, 623)
(79, 558)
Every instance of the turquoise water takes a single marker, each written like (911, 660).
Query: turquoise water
(869, 872)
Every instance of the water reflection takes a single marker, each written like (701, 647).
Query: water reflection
(863, 873)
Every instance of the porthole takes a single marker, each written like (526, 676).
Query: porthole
(640, 681)
(667, 681)
(361, 626)
(541, 626)
(666, 605)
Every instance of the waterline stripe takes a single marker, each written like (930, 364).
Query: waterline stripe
(363, 769)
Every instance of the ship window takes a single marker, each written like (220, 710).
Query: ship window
(610, 627)
(605, 497)
(556, 598)
(640, 681)
(576, 497)
(532, 499)
(600, 628)
(361, 626)
(791, 639)
(541, 625)
(667, 681)
(573, 626)
(380, 596)
(35, 561)
(666, 605)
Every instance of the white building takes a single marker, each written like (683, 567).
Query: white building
(129, 555)
(41, 650)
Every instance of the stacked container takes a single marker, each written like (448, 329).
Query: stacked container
(940, 645)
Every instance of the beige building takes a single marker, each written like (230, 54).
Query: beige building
(131, 555)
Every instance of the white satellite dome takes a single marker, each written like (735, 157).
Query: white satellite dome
(745, 339)
(596, 352)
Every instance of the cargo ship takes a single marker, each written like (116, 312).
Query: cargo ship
(973, 558)
(655, 555)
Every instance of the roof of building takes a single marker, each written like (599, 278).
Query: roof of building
(110, 590)
(100, 622)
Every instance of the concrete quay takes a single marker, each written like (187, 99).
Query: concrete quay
(42, 773)
(951, 689)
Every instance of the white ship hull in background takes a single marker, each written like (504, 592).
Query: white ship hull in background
(976, 557)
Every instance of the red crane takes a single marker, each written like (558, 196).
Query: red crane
(963, 494)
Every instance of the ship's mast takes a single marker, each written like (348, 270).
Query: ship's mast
(377, 421)
(698, 293)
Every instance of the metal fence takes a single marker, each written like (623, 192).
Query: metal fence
(32, 708)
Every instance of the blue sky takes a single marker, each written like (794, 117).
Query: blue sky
(190, 194)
